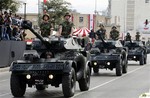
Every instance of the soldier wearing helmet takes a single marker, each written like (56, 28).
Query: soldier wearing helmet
(137, 36)
(128, 37)
(66, 28)
(114, 33)
(46, 26)
(101, 32)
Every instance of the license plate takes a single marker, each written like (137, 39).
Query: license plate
(39, 82)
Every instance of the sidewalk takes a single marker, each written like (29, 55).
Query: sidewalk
(4, 69)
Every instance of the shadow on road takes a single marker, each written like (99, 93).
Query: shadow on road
(43, 94)
(103, 74)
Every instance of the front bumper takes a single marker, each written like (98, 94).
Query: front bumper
(104, 60)
(134, 55)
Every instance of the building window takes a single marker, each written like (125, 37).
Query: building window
(80, 19)
(146, 1)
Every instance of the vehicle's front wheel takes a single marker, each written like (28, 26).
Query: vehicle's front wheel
(119, 68)
(84, 82)
(40, 87)
(17, 85)
(125, 66)
(69, 83)
(145, 59)
(141, 60)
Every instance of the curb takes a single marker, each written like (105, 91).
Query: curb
(4, 69)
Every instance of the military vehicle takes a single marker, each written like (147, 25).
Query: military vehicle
(136, 51)
(109, 54)
(53, 61)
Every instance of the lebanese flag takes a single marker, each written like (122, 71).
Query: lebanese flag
(44, 1)
(91, 18)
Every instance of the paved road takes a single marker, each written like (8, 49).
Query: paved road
(103, 85)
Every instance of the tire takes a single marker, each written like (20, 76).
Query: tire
(125, 66)
(95, 69)
(69, 83)
(145, 59)
(17, 85)
(40, 87)
(141, 60)
(119, 68)
(84, 83)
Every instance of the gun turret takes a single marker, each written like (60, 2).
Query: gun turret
(56, 43)
(26, 24)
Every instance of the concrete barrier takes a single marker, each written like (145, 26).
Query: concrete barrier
(10, 51)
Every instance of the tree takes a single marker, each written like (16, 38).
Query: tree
(57, 9)
(12, 5)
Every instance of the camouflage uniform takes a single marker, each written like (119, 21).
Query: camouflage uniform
(114, 34)
(66, 28)
(128, 37)
(137, 36)
(45, 29)
(101, 32)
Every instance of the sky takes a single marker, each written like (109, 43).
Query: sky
(81, 6)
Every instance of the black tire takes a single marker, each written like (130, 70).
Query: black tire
(125, 66)
(141, 60)
(145, 59)
(69, 83)
(40, 87)
(84, 82)
(95, 69)
(17, 85)
(119, 68)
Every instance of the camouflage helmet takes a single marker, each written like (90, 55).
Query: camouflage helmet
(67, 14)
(137, 33)
(46, 15)
(114, 27)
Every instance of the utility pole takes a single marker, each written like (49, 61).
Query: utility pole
(25, 10)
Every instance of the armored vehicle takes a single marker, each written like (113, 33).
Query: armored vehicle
(54, 61)
(109, 54)
(137, 51)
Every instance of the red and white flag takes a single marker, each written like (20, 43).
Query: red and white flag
(91, 21)
(44, 1)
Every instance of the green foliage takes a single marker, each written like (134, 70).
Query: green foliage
(12, 5)
(57, 10)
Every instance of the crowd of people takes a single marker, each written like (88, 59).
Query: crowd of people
(10, 27)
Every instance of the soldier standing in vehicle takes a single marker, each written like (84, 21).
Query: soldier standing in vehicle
(137, 36)
(114, 33)
(128, 37)
(101, 32)
(66, 28)
(46, 26)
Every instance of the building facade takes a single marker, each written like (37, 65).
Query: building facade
(129, 14)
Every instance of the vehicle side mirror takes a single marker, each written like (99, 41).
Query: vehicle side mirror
(26, 24)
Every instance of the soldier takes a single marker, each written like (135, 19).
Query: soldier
(137, 36)
(66, 28)
(46, 26)
(128, 37)
(101, 31)
(114, 33)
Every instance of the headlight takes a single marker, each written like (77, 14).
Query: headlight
(95, 63)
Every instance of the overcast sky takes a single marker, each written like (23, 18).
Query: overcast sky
(82, 6)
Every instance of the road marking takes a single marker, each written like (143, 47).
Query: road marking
(5, 94)
(4, 72)
(4, 80)
(107, 82)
